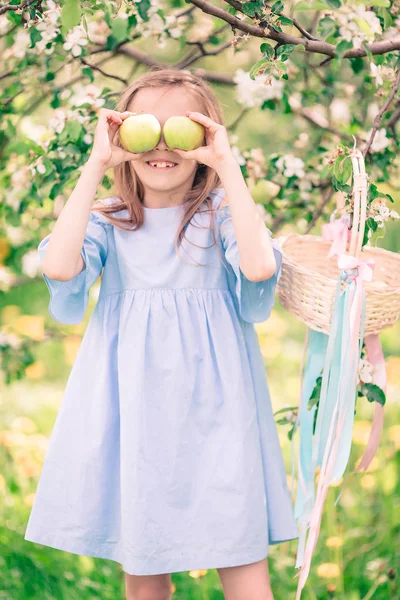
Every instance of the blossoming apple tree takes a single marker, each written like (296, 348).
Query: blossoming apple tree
(326, 70)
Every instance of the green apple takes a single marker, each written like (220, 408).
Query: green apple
(183, 133)
(140, 133)
(263, 190)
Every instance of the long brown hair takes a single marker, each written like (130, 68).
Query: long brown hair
(130, 190)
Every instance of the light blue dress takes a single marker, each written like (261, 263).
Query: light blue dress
(164, 455)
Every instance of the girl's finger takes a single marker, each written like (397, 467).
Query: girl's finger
(124, 115)
(189, 154)
(206, 121)
(132, 155)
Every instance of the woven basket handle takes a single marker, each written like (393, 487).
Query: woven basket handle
(360, 190)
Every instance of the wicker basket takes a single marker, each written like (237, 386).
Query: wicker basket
(309, 278)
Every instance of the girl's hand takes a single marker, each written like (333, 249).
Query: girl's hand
(217, 152)
(104, 152)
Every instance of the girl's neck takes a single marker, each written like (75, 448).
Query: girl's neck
(166, 198)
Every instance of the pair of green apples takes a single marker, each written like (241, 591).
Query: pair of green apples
(142, 132)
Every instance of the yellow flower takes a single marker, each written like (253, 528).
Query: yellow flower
(10, 313)
(361, 432)
(5, 249)
(392, 369)
(394, 435)
(36, 370)
(29, 498)
(196, 574)
(71, 346)
(23, 424)
(86, 563)
(31, 326)
(328, 570)
(334, 542)
(12, 438)
(368, 482)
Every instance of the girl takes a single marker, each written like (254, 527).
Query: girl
(164, 456)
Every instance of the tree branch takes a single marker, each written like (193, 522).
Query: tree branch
(318, 47)
(380, 114)
(99, 70)
(238, 6)
(17, 7)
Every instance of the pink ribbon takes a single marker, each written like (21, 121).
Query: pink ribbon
(377, 359)
(338, 232)
(364, 273)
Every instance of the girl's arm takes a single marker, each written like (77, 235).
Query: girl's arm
(257, 260)
(63, 258)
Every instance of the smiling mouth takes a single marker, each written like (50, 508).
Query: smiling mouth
(161, 165)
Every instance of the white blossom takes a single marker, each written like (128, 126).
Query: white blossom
(20, 178)
(340, 111)
(380, 140)
(381, 73)
(290, 166)
(365, 371)
(16, 235)
(22, 41)
(356, 23)
(251, 92)
(87, 94)
(75, 40)
(31, 263)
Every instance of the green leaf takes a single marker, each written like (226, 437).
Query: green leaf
(259, 64)
(386, 16)
(363, 26)
(143, 8)
(70, 14)
(35, 36)
(315, 394)
(285, 51)
(119, 28)
(334, 3)
(316, 5)
(383, 3)
(87, 72)
(342, 47)
(270, 104)
(251, 8)
(277, 7)
(285, 20)
(343, 169)
(373, 393)
(389, 197)
(357, 64)
(267, 50)
(326, 27)
(74, 130)
(372, 224)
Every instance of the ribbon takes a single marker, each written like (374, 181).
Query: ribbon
(377, 359)
(333, 432)
(338, 232)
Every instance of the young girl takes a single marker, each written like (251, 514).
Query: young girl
(164, 456)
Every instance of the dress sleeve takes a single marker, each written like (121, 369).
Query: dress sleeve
(255, 299)
(69, 299)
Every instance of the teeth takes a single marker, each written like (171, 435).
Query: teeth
(161, 164)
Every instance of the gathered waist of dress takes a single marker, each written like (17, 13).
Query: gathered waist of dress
(156, 289)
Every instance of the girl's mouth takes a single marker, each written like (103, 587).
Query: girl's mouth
(161, 165)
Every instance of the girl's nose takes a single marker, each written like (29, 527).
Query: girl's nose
(161, 143)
